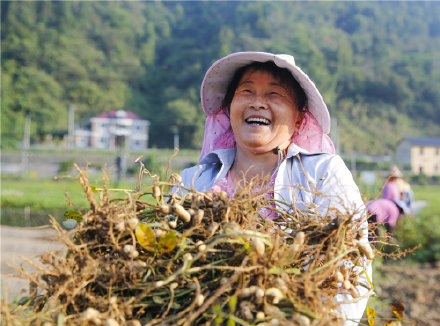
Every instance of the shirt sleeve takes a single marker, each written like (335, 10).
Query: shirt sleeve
(339, 193)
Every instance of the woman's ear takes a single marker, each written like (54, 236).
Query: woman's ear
(299, 120)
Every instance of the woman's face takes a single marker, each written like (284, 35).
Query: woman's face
(263, 113)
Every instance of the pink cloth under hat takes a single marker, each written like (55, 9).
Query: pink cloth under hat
(312, 136)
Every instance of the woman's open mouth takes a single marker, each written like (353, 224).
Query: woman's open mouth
(258, 121)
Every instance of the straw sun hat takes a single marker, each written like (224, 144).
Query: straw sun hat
(220, 74)
(395, 173)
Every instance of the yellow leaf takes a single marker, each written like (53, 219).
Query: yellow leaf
(292, 270)
(167, 242)
(95, 189)
(371, 315)
(398, 310)
(369, 281)
(275, 270)
(146, 237)
(232, 303)
(393, 323)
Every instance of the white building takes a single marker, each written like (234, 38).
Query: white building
(423, 154)
(114, 129)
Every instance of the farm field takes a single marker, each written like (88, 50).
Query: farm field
(415, 285)
(42, 197)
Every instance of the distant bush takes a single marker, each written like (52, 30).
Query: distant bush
(369, 165)
(65, 166)
(436, 179)
(423, 179)
(421, 230)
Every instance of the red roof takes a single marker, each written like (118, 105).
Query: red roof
(119, 114)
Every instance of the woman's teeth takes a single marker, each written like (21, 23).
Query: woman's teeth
(258, 121)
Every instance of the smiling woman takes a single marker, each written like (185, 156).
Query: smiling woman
(267, 121)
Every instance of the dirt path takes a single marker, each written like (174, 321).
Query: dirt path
(27, 242)
(417, 287)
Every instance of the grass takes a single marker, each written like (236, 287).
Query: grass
(47, 194)
(40, 194)
(41, 197)
(431, 194)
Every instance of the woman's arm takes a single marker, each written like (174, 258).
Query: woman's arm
(340, 195)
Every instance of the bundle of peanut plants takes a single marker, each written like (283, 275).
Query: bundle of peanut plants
(180, 257)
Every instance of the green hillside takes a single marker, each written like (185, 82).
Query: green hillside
(374, 62)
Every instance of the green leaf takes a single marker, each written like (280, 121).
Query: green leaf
(74, 215)
(278, 270)
(60, 320)
(167, 242)
(147, 275)
(23, 300)
(146, 237)
(296, 271)
(158, 300)
(176, 305)
(231, 322)
(247, 247)
(218, 320)
(216, 309)
(232, 304)
(275, 270)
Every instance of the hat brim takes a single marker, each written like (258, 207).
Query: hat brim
(218, 77)
(395, 173)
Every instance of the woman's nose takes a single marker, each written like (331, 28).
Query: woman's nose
(259, 102)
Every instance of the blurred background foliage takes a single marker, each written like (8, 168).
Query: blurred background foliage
(374, 62)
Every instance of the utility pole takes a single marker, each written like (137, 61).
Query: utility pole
(71, 130)
(26, 144)
(176, 138)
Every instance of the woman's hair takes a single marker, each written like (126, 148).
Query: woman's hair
(282, 74)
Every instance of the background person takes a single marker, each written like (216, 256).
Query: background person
(382, 211)
(406, 195)
(399, 191)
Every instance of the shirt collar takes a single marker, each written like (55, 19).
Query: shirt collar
(227, 156)
(224, 156)
(294, 149)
